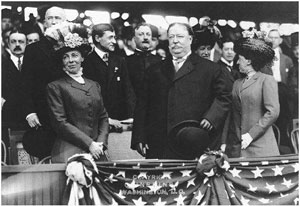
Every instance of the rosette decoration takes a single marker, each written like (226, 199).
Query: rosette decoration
(81, 170)
(212, 163)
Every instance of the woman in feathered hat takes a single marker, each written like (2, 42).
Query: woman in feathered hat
(255, 104)
(77, 113)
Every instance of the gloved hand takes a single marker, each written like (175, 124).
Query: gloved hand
(246, 140)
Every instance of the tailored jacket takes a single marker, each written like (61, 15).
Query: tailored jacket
(198, 90)
(233, 75)
(285, 66)
(137, 64)
(11, 80)
(40, 67)
(117, 92)
(255, 107)
(77, 115)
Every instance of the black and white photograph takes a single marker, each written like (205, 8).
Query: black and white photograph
(150, 103)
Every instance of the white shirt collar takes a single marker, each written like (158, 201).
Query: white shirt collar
(226, 62)
(77, 77)
(16, 59)
(184, 57)
(128, 52)
(277, 51)
(99, 52)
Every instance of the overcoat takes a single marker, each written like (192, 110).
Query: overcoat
(137, 64)
(255, 107)
(77, 115)
(198, 90)
(11, 85)
(116, 88)
(40, 67)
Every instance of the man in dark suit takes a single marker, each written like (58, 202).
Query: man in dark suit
(227, 59)
(142, 58)
(110, 71)
(186, 87)
(40, 67)
(11, 78)
(282, 70)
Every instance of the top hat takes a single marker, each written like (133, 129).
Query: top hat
(187, 140)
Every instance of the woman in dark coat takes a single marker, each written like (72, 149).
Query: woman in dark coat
(77, 113)
(255, 103)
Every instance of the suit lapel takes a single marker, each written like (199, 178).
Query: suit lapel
(250, 81)
(111, 68)
(76, 85)
(168, 69)
(186, 68)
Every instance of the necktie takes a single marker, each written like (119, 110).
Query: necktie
(19, 64)
(105, 58)
(177, 62)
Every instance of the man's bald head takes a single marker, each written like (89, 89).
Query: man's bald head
(54, 15)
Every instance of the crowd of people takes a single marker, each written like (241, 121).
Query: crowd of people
(197, 90)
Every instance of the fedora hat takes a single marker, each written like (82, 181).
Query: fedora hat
(187, 140)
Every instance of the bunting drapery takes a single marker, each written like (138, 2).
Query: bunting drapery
(211, 180)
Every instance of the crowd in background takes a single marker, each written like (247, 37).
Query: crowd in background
(131, 50)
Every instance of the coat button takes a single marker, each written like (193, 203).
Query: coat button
(90, 114)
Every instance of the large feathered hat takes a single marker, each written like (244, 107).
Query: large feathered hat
(254, 46)
(69, 36)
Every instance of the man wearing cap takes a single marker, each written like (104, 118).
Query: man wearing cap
(185, 93)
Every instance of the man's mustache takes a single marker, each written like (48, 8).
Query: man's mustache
(146, 41)
(17, 48)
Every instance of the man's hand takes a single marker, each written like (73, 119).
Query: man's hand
(2, 102)
(96, 149)
(223, 147)
(116, 123)
(33, 120)
(246, 140)
(205, 124)
(141, 148)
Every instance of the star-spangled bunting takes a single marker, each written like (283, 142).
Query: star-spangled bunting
(252, 189)
(180, 199)
(154, 187)
(166, 175)
(191, 182)
(142, 174)
(244, 201)
(186, 173)
(287, 183)
(277, 170)
(247, 182)
(159, 202)
(139, 202)
(271, 188)
(235, 172)
(257, 172)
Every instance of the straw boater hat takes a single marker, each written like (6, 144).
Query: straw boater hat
(254, 46)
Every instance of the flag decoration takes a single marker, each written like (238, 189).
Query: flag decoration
(212, 180)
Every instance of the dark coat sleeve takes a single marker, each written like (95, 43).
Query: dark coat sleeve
(222, 101)
(129, 93)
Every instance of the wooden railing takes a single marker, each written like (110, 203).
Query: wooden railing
(33, 185)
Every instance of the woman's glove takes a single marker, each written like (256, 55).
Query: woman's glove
(246, 140)
(96, 149)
